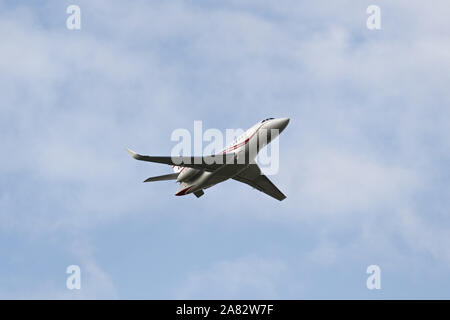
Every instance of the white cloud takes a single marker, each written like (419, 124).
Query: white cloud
(335, 182)
(242, 278)
(366, 150)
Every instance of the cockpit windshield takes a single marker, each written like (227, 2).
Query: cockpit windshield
(267, 119)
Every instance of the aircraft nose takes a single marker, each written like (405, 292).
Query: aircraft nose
(282, 123)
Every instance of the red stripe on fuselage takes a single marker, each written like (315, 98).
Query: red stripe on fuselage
(182, 192)
(240, 144)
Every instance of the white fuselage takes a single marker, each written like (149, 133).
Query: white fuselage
(245, 148)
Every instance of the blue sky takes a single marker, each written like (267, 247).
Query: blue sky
(364, 160)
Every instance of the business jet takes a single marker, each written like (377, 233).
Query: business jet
(236, 161)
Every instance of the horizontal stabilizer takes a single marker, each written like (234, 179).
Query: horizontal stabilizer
(172, 176)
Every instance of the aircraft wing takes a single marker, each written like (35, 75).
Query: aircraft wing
(208, 163)
(253, 177)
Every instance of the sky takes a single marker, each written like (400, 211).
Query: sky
(363, 162)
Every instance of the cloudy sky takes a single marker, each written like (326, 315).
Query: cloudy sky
(364, 161)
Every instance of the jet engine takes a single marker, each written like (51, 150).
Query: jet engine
(187, 174)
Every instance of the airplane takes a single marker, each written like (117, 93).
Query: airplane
(236, 161)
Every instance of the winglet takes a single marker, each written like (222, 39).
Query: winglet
(133, 154)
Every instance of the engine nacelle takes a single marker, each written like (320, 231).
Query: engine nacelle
(186, 174)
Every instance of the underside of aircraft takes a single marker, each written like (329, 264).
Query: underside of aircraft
(196, 173)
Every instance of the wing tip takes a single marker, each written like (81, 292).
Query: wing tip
(132, 153)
